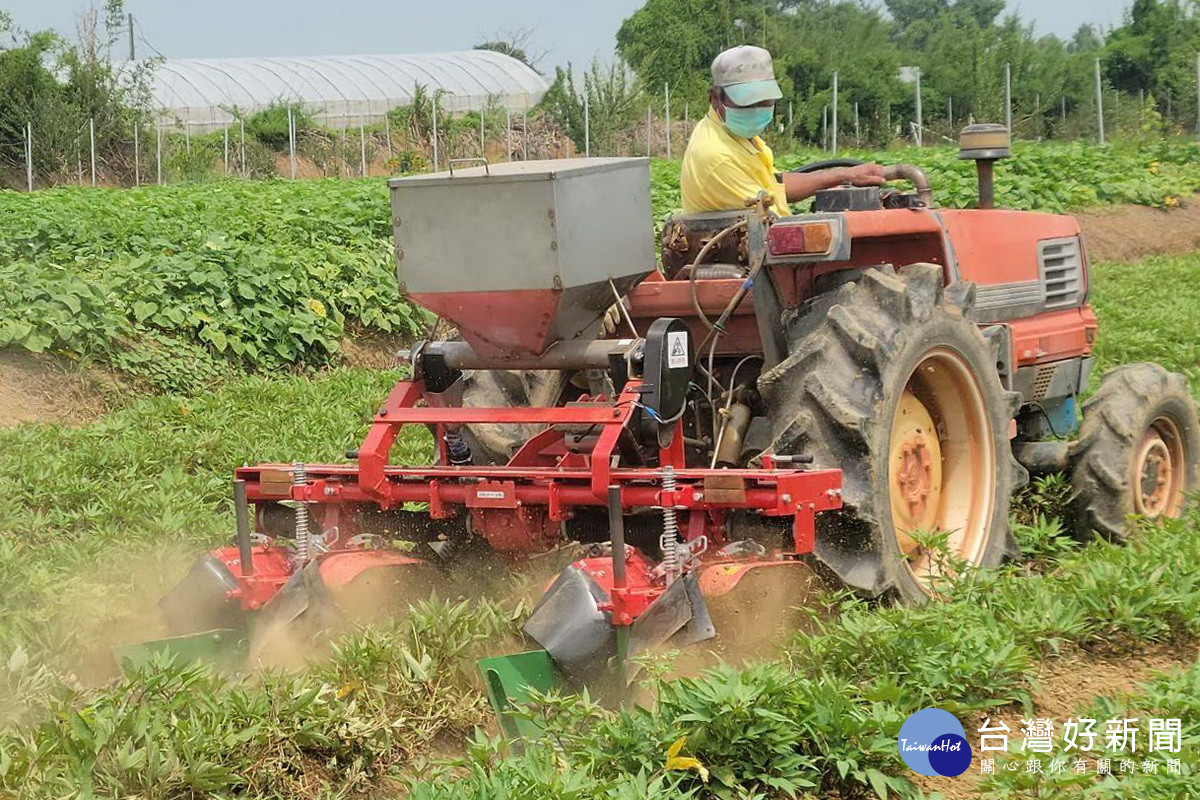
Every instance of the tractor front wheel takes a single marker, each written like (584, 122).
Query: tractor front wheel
(1138, 451)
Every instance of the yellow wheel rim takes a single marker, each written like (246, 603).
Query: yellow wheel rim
(941, 464)
(1158, 480)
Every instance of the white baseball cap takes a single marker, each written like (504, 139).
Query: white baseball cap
(747, 75)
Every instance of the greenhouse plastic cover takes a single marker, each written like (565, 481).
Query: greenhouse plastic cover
(340, 91)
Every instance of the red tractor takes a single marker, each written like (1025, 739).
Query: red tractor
(854, 393)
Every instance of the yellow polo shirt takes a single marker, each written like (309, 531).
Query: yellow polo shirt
(722, 171)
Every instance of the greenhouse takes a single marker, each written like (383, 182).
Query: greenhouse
(339, 91)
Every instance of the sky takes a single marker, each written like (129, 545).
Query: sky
(572, 31)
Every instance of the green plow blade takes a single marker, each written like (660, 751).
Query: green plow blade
(224, 648)
(511, 679)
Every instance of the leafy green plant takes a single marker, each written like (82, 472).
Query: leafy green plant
(180, 286)
(270, 126)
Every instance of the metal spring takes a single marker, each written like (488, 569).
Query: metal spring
(457, 449)
(303, 537)
(669, 541)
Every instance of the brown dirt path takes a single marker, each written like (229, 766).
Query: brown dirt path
(1127, 233)
(41, 388)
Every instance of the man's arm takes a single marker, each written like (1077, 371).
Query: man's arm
(800, 186)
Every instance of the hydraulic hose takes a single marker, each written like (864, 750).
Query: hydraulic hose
(699, 259)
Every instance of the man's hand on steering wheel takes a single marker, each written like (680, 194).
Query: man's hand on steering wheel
(866, 175)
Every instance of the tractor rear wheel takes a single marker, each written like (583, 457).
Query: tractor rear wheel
(889, 381)
(1138, 451)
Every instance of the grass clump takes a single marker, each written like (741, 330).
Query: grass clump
(349, 725)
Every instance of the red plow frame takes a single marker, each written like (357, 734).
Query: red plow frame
(519, 508)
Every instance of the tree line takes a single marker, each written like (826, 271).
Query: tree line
(959, 47)
(80, 93)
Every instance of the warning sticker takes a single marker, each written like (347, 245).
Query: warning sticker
(487, 494)
(677, 350)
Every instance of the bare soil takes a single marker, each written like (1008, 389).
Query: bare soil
(372, 350)
(1064, 688)
(41, 388)
(1127, 233)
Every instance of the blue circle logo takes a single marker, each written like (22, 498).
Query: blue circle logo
(932, 742)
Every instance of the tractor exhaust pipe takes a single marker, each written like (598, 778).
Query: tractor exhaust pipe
(914, 175)
(985, 144)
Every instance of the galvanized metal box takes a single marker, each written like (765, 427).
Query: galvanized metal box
(543, 237)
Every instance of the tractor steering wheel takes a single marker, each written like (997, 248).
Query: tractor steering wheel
(831, 163)
(907, 172)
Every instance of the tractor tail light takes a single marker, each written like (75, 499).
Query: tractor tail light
(802, 238)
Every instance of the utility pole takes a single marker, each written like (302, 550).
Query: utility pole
(132, 53)
(834, 123)
(1008, 97)
(92, 145)
(587, 126)
(29, 155)
(649, 122)
(920, 113)
(667, 114)
(435, 133)
(291, 121)
(362, 144)
(1099, 103)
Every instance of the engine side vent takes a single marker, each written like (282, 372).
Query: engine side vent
(1061, 263)
(1042, 380)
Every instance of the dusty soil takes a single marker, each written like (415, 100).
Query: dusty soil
(1064, 688)
(40, 388)
(1127, 233)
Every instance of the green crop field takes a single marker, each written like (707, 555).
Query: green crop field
(182, 287)
(227, 304)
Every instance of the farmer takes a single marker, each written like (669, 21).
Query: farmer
(726, 162)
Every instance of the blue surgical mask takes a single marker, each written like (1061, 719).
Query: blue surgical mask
(748, 122)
